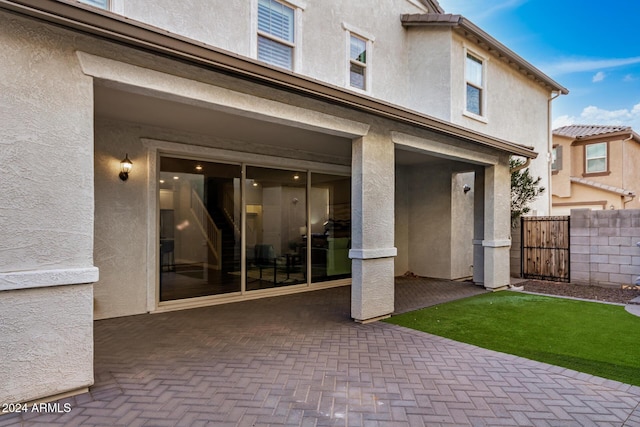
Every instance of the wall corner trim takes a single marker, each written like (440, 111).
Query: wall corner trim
(496, 243)
(16, 280)
(373, 253)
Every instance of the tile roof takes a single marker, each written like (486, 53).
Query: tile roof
(582, 131)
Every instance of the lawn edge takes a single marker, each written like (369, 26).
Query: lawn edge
(552, 369)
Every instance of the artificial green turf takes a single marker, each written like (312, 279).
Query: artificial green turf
(599, 339)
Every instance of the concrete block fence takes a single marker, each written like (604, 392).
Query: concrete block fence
(604, 248)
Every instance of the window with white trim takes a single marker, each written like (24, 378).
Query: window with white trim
(595, 158)
(474, 77)
(102, 4)
(276, 29)
(556, 158)
(357, 62)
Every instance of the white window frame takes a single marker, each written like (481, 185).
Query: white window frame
(368, 38)
(298, 7)
(483, 86)
(605, 157)
(107, 4)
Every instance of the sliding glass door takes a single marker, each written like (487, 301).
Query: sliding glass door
(200, 228)
(276, 225)
(330, 233)
(295, 232)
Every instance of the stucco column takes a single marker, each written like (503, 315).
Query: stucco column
(372, 215)
(497, 225)
(478, 228)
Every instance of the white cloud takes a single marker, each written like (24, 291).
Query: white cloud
(598, 77)
(583, 65)
(593, 115)
(564, 120)
(629, 78)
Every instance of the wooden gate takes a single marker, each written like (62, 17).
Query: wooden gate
(545, 248)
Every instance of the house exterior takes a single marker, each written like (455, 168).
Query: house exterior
(173, 155)
(595, 167)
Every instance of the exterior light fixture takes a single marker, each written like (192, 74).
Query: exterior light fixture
(466, 189)
(198, 167)
(125, 168)
(296, 177)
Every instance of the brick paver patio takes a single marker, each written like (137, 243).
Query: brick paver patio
(299, 360)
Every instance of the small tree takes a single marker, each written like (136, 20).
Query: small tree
(524, 189)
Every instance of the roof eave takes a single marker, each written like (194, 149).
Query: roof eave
(469, 30)
(89, 20)
(622, 134)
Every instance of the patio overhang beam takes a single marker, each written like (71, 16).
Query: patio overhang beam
(115, 28)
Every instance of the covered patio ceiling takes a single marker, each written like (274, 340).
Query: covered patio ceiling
(131, 107)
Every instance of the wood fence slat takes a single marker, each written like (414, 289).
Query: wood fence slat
(545, 248)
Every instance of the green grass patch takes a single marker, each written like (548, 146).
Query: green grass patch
(599, 339)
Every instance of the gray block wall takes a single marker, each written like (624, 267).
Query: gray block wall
(603, 246)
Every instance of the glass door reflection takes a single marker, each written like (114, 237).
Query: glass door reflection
(276, 218)
(200, 228)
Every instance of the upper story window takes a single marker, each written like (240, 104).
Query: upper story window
(276, 29)
(357, 62)
(596, 158)
(102, 4)
(359, 48)
(474, 76)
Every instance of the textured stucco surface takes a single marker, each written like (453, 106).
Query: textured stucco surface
(47, 341)
(121, 222)
(46, 149)
(497, 225)
(372, 217)
(46, 237)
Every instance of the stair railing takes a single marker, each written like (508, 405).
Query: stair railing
(212, 234)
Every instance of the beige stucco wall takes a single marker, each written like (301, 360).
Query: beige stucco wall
(321, 43)
(121, 229)
(516, 110)
(430, 59)
(46, 237)
(434, 220)
(47, 341)
(560, 181)
(47, 151)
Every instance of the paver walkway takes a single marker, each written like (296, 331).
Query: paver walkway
(299, 360)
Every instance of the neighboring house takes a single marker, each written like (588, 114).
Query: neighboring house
(595, 167)
(274, 147)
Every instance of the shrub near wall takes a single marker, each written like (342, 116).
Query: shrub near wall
(603, 246)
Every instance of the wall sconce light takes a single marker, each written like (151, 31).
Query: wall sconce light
(466, 189)
(125, 168)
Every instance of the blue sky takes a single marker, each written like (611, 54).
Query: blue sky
(590, 47)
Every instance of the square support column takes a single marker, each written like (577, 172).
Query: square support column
(372, 228)
(497, 225)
